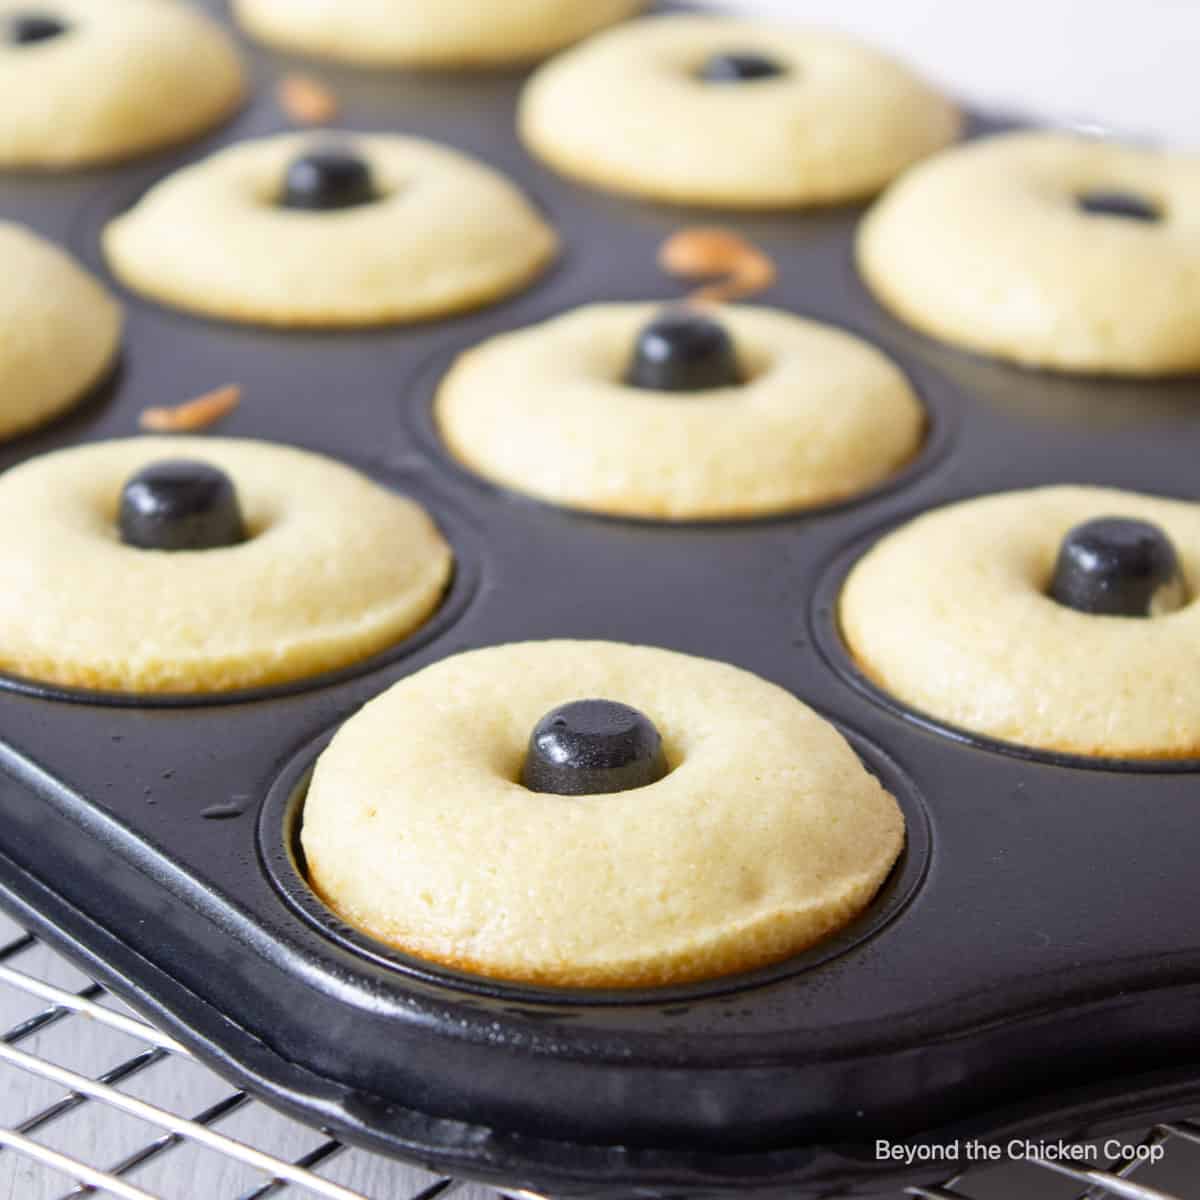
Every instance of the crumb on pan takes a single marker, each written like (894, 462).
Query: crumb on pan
(306, 100)
(200, 413)
(741, 268)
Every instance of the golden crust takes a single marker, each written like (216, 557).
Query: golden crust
(429, 33)
(624, 112)
(766, 836)
(824, 417)
(337, 568)
(950, 614)
(210, 240)
(984, 247)
(61, 331)
(129, 77)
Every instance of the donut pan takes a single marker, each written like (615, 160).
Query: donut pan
(1032, 967)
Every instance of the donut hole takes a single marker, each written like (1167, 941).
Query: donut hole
(515, 778)
(1172, 600)
(610, 364)
(268, 190)
(34, 26)
(751, 375)
(740, 65)
(1116, 566)
(588, 741)
(1121, 203)
(259, 518)
(112, 532)
(271, 196)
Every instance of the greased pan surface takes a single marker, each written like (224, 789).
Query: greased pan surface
(1033, 966)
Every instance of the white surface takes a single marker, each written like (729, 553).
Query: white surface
(1132, 65)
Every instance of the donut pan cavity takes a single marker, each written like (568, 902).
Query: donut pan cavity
(283, 857)
(1032, 969)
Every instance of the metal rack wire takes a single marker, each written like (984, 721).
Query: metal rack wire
(59, 1118)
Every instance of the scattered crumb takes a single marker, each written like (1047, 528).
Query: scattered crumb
(195, 415)
(307, 101)
(741, 268)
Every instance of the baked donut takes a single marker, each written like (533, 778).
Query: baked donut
(331, 230)
(721, 824)
(1059, 618)
(737, 114)
(1049, 250)
(428, 33)
(62, 331)
(202, 565)
(83, 81)
(680, 414)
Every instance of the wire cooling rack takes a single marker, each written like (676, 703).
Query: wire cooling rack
(96, 1102)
